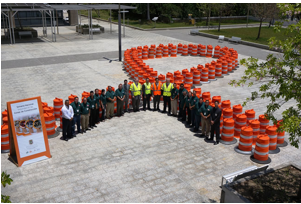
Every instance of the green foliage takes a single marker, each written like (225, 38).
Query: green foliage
(279, 77)
(5, 179)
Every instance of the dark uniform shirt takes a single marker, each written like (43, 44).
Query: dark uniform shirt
(97, 99)
(216, 115)
(103, 99)
(110, 95)
(198, 108)
(92, 102)
(76, 108)
(181, 96)
(84, 108)
(187, 102)
(183, 101)
(119, 93)
(206, 110)
(193, 101)
(174, 93)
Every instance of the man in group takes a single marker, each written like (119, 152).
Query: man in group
(103, 100)
(174, 100)
(97, 97)
(206, 119)
(156, 89)
(76, 117)
(181, 90)
(215, 122)
(136, 94)
(146, 94)
(193, 101)
(183, 106)
(166, 87)
(110, 96)
(198, 117)
(94, 109)
(126, 88)
(67, 118)
(85, 113)
(119, 93)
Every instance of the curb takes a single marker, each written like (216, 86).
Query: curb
(266, 47)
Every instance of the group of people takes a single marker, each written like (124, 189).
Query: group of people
(85, 115)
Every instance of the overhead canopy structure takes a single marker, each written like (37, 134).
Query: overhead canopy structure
(9, 10)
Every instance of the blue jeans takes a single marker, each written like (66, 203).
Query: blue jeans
(76, 119)
(198, 119)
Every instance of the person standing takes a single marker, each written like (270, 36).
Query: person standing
(166, 87)
(103, 100)
(156, 89)
(126, 88)
(206, 119)
(174, 100)
(198, 117)
(119, 93)
(146, 93)
(193, 102)
(76, 117)
(183, 106)
(181, 90)
(85, 114)
(136, 94)
(215, 122)
(97, 97)
(67, 118)
(110, 96)
(187, 107)
(94, 109)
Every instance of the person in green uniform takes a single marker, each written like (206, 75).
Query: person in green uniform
(76, 118)
(181, 90)
(183, 103)
(110, 96)
(174, 100)
(85, 113)
(94, 109)
(187, 107)
(193, 101)
(119, 93)
(198, 117)
(206, 119)
(103, 100)
(97, 96)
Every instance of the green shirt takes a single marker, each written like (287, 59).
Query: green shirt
(76, 108)
(187, 101)
(84, 108)
(206, 111)
(97, 98)
(174, 93)
(103, 99)
(110, 95)
(181, 93)
(183, 101)
(92, 102)
(119, 93)
(199, 107)
(193, 101)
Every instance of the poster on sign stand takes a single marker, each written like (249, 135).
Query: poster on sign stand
(28, 135)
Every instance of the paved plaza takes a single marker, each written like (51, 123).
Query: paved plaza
(141, 157)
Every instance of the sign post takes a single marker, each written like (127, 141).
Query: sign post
(28, 135)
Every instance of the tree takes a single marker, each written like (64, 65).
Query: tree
(222, 9)
(5, 179)
(263, 12)
(279, 78)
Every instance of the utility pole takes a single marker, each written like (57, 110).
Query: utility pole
(248, 16)
(119, 31)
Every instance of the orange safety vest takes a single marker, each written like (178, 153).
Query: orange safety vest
(156, 90)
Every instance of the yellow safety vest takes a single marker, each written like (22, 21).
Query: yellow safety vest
(135, 89)
(147, 88)
(167, 90)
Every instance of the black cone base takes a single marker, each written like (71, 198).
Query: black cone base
(259, 161)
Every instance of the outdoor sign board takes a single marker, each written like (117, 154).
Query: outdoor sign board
(28, 135)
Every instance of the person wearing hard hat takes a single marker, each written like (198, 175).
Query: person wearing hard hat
(146, 93)
(136, 94)
(156, 89)
(166, 87)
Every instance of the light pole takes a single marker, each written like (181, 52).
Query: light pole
(124, 21)
(119, 32)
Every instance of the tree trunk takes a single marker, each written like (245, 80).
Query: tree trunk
(148, 16)
(259, 29)
(270, 23)
(219, 22)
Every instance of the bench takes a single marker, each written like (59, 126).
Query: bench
(229, 178)
(194, 32)
(234, 39)
(221, 37)
(95, 30)
(25, 33)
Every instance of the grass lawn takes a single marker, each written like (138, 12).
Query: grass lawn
(105, 14)
(250, 34)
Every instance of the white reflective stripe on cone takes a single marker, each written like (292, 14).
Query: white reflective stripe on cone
(228, 128)
(261, 145)
(238, 130)
(273, 144)
(250, 118)
(246, 137)
(225, 116)
(228, 135)
(264, 124)
(48, 122)
(211, 74)
(189, 78)
(272, 136)
(261, 153)
(280, 137)
(255, 136)
(262, 130)
(196, 75)
(50, 128)
(255, 130)
(245, 144)
(204, 72)
(57, 106)
(217, 72)
(57, 113)
(6, 135)
(240, 123)
(211, 70)
(3, 143)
